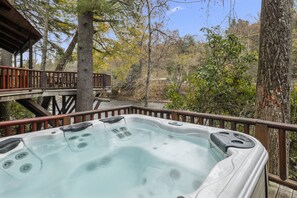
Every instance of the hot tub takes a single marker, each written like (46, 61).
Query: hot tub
(132, 156)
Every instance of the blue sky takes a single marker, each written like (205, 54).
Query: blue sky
(189, 18)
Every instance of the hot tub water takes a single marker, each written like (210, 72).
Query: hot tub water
(108, 160)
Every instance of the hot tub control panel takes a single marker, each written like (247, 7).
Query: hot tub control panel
(226, 139)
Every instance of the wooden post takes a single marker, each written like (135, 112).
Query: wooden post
(246, 128)
(43, 80)
(14, 59)
(30, 62)
(283, 172)
(210, 122)
(21, 58)
(261, 133)
(130, 111)
(233, 126)
(53, 105)
(66, 120)
(64, 104)
(104, 80)
(222, 124)
(174, 116)
(200, 121)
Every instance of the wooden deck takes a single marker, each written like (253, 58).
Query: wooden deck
(20, 79)
(279, 191)
(21, 85)
(24, 94)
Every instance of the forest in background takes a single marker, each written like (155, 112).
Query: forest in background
(225, 62)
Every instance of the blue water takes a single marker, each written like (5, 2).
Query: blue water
(142, 162)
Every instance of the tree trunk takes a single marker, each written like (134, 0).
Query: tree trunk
(84, 99)
(147, 85)
(6, 60)
(273, 80)
(45, 43)
(65, 58)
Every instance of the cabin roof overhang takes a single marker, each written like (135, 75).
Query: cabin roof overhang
(15, 31)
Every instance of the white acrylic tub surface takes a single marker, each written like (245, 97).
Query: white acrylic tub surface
(136, 157)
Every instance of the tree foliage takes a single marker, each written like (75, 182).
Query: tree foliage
(221, 85)
(61, 21)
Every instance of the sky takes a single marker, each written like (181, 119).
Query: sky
(189, 18)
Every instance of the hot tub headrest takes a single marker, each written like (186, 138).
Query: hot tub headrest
(76, 127)
(9, 144)
(226, 139)
(112, 120)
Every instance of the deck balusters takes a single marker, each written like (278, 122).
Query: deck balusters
(12, 78)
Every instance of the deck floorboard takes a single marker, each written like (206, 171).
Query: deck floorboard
(279, 191)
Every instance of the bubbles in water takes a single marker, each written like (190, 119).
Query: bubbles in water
(174, 174)
(21, 155)
(7, 164)
(25, 168)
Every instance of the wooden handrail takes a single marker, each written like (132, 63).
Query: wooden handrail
(12, 78)
(260, 128)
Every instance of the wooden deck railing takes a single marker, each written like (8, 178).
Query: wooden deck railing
(258, 128)
(12, 78)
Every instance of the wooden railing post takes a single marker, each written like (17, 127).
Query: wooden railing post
(66, 120)
(283, 172)
(104, 80)
(130, 110)
(174, 116)
(261, 133)
(43, 80)
(7, 131)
